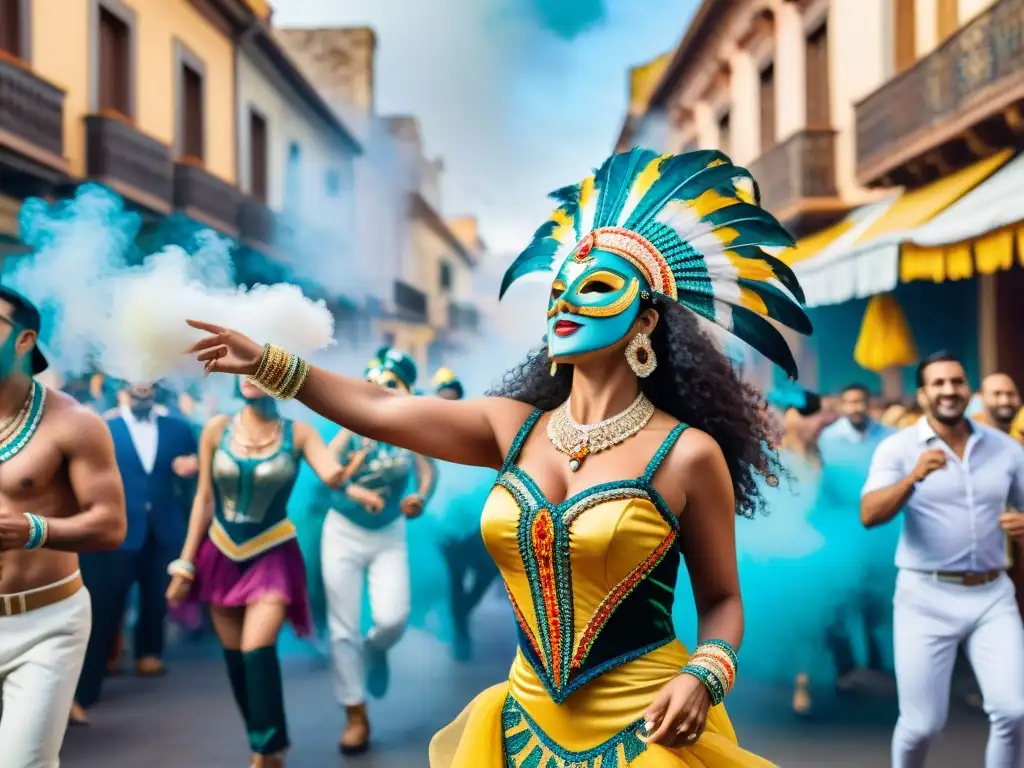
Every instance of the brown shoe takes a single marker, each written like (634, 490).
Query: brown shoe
(355, 739)
(77, 716)
(150, 666)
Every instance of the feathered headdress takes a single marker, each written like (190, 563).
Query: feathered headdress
(389, 359)
(692, 224)
(445, 378)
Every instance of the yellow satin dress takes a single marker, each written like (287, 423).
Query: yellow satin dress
(591, 582)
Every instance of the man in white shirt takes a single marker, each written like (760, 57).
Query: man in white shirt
(953, 481)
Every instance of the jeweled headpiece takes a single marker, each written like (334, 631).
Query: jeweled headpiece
(391, 365)
(693, 227)
(445, 378)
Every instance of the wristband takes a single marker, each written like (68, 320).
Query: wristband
(182, 568)
(38, 531)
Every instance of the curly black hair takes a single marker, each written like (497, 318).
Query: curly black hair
(693, 382)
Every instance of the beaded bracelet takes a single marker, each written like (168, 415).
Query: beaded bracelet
(714, 663)
(38, 531)
(280, 373)
(182, 568)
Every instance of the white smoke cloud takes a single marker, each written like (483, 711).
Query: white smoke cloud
(128, 318)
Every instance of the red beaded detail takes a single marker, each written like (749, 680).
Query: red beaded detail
(583, 248)
(616, 596)
(521, 620)
(543, 535)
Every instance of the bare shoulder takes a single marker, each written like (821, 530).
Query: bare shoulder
(506, 417)
(75, 425)
(695, 451)
(214, 428)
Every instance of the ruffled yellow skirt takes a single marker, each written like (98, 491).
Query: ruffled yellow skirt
(544, 734)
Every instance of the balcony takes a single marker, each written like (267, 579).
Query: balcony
(205, 198)
(463, 317)
(959, 102)
(139, 167)
(410, 303)
(797, 178)
(31, 123)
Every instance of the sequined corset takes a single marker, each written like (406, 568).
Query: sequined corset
(251, 497)
(388, 471)
(591, 582)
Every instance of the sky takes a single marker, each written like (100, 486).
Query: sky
(519, 97)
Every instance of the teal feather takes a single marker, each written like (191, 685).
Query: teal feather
(700, 285)
(780, 306)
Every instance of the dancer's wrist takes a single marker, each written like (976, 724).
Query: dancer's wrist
(38, 533)
(183, 568)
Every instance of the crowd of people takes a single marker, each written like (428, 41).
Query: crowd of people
(611, 555)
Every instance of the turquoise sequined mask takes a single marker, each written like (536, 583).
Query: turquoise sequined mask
(595, 299)
(392, 369)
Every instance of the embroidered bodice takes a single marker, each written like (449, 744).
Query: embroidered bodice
(592, 579)
(386, 470)
(251, 496)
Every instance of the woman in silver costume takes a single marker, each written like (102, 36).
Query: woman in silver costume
(241, 557)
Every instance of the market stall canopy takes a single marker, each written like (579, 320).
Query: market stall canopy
(868, 262)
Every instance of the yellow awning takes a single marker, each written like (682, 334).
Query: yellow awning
(916, 207)
(815, 243)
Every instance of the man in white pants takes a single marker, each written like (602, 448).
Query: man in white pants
(953, 481)
(364, 537)
(60, 493)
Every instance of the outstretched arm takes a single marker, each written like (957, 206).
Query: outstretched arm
(460, 431)
(96, 483)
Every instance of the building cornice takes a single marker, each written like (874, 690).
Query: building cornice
(425, 211)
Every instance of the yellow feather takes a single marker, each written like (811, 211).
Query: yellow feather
(749, 269)
(710, 201)
(753, 302)
(646, 178)
(586, 191)
(564, 231)
(726, 235)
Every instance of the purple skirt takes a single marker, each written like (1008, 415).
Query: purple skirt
(279, 572)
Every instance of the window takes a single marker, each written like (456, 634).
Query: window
(904, 34)
(767, 108)
(445, 276)
(724, 133)
(114, 63)
(257, 157)
(192, 139)
(11, 28)
(948, 18)
(819, 96)
(332, 182)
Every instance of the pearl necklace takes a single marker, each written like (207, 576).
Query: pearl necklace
(577, 441)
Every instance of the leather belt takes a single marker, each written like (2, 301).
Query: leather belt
(968, 578)
(23, 602)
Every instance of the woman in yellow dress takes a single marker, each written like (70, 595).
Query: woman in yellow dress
(626, 442)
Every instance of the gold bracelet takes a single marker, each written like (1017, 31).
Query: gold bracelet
(280, 374)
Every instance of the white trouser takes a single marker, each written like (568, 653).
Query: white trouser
(348, 552)
(931, 618)
(41, 655)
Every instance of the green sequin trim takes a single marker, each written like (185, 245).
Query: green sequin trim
(527, 746)
(17, 442)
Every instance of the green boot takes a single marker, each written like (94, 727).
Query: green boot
(236, 676)
(268, 731)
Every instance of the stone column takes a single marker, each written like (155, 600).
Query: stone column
(790, 71)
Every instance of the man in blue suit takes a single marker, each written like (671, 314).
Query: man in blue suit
(148, 446)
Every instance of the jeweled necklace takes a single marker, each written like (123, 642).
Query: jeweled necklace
(26, 424)
(255, 447)
(577, 441)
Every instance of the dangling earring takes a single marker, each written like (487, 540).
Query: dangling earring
(640, 356)
(554, 365)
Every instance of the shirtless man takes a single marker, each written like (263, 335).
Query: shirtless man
(60, 493)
